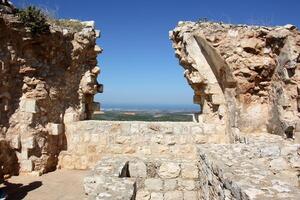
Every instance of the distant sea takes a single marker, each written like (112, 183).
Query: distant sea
(150, 108)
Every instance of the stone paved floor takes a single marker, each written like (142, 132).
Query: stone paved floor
(58, 185)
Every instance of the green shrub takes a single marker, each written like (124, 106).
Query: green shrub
(33, 18)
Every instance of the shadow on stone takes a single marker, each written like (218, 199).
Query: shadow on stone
(19, 191)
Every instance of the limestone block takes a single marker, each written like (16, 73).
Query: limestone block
(170, 184)
(28, 105)
(217, 99)
(187, 184)
(153, 184)
(170, 140)
(96, 70)
(197, 129)
(55, 129)
(289, 150)
(189, 170)
(272, 151)
(185, 151)
(233, 33)
(125, 128)
(98, 49)
(279, 164)
(190, 195)
(137, 168)
(142, 195)
(200, 139)
(295, 162)
(251, 43)
(26, 166)
(173, 195)
(177, 129)
(157, 196)
(209, 128)
(67, 162)
(28, 143)
(169, 170)
(23, 155)
(71, 117)
(15, 142)
(134, 128)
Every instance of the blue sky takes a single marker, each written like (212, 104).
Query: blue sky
(138, 63)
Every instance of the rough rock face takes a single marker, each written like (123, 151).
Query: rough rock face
(46, 81)
(245, 77)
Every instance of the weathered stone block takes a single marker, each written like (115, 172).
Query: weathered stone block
(142, 195)
(26, 166)
(273, 151)
(169, 170)
(173, 195)
(71, 117)
(189, 170)
(170, 184)
(186, 184)
(137, 168)
(153, 184)
(97, 49)
(55, 129)
(15, 142)
(279, 164)
(190, 195)
(197, 129)
(217, 99)
(157, 196)
(28, 105)
(28, 143)
(23, 155)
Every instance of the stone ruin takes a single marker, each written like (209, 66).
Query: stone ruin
(242, 75)
(46, 81)
(243, 144)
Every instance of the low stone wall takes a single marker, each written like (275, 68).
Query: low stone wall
(267, 167)
(89, 141)
(159, 179)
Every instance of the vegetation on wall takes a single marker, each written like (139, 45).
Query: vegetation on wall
(33, 18)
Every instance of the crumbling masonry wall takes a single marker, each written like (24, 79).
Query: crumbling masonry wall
(245, 77)
(89, 141)
(46, 81)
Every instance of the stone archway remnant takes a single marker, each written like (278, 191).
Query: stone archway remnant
(245, 77)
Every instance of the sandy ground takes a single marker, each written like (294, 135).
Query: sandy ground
(58, 185)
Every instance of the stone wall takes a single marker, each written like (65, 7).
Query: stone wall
(242, 75)
(144, 179)
(46, 80)
(89, 141)
(267, 167)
